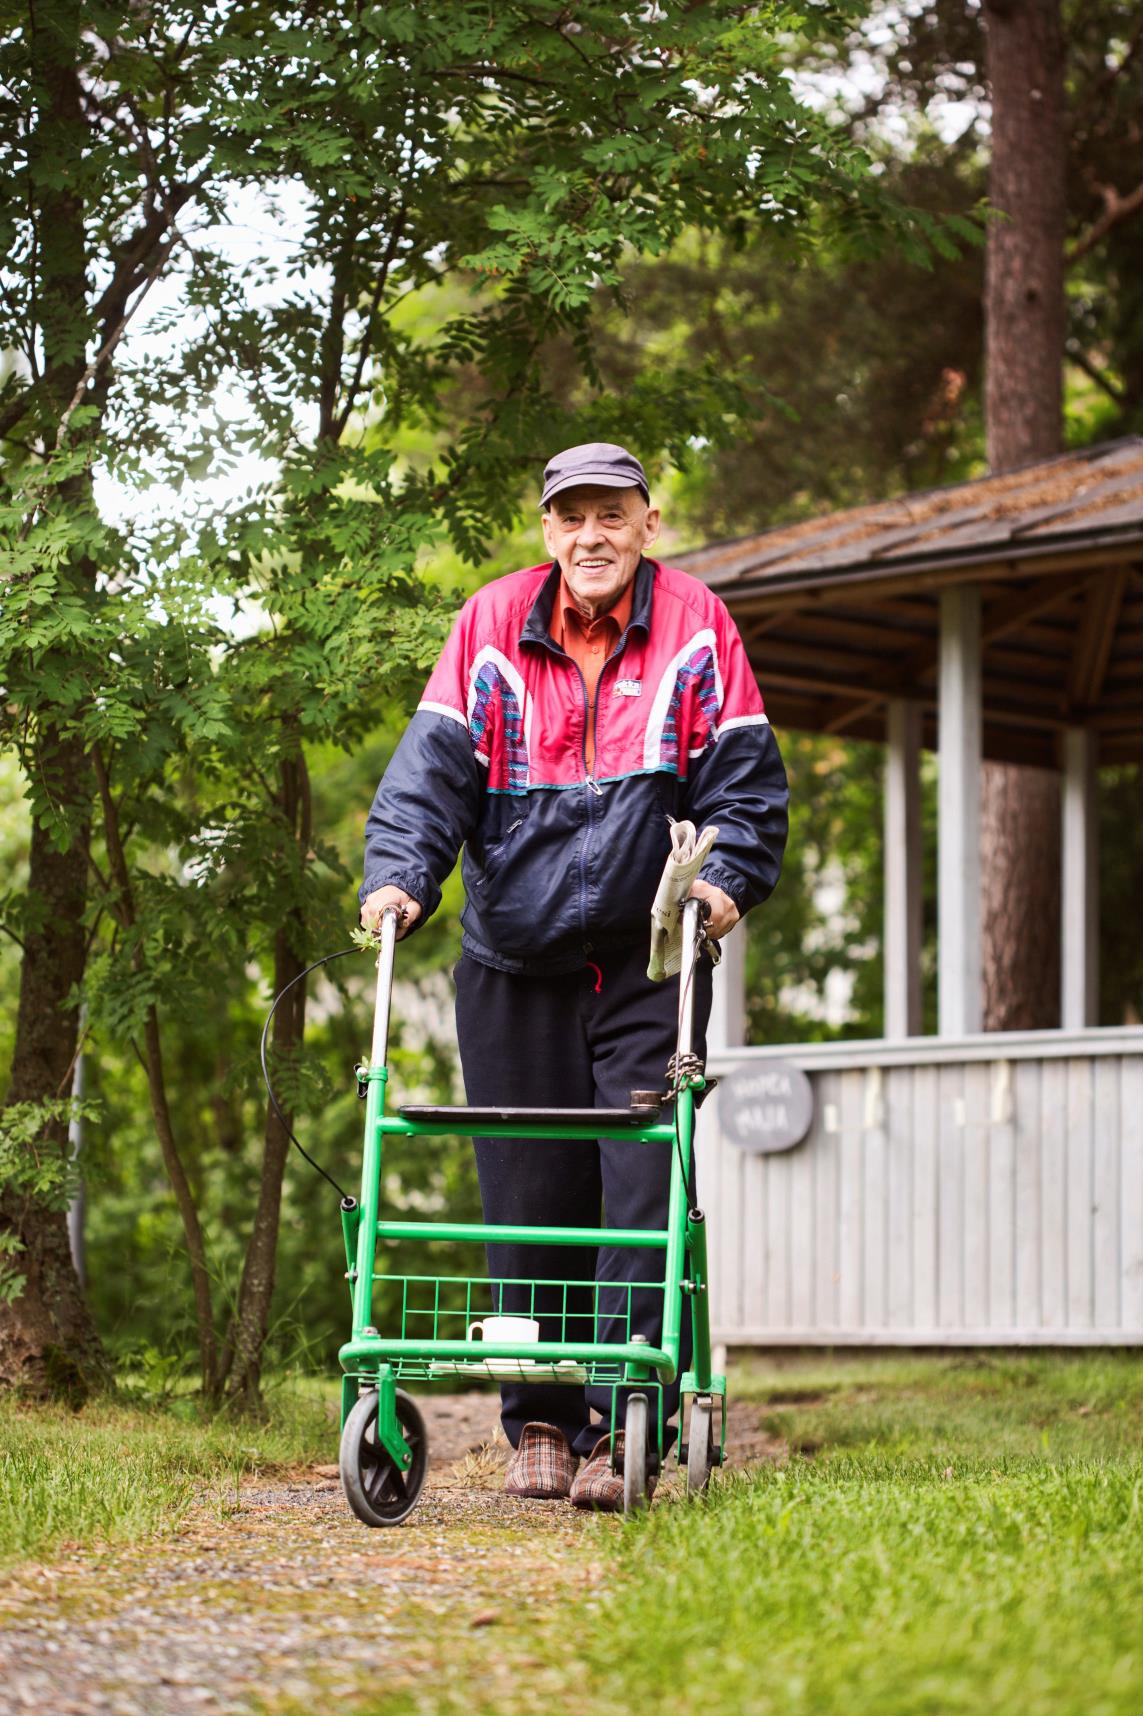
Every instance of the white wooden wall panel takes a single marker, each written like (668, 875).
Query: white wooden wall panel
(950, 1196)
(1131, 1195)
(976, 1222)
(850, 1208)
(802, 1236)
(778, 1203)
(826, 1271)
(1001, 1198)
(875, 1200)
(1078, 1201)
(899, 1159)
(924, 1081)
(755, 1220)
(988, 1199)
(1053, 1195)
(1027, 1262)
(1107, 1264)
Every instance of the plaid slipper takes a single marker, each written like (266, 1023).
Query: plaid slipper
(543, 1466)
(597, 1486)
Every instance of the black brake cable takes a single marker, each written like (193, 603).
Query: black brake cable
(675, 1068)
(274, 1103)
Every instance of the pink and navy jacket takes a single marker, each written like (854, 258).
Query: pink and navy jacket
(560, 863)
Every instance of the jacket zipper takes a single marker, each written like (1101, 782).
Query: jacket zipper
(592, 783)
(592, 786)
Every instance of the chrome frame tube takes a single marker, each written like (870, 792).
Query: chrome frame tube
(384, 999)
(691, 909)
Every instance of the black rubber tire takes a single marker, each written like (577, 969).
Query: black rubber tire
(700, 1445)
(377, 1491)
(635, 1454)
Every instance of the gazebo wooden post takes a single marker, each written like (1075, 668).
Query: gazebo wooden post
(958, 856)
(727, 1027)
(902, 869)
(1079, 915)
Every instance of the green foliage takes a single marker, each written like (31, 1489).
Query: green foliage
(199, 659)
(862, 377)
(36, 1163)
(814, 953)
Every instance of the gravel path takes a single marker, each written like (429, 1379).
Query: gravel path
(278, 1594)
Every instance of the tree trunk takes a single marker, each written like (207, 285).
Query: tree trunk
(247, 1340)
(48, 1342)
(1024, 272)
(1024, 344)
(1021, 954)
(47, 1338)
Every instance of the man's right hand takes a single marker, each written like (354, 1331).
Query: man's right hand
(408, 909)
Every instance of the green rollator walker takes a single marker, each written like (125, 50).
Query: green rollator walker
(384, 1448)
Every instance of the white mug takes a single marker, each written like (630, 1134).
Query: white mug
(512, 1331)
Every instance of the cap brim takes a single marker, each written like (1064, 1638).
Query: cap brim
(592, 479)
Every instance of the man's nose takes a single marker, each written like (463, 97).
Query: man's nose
(590, 534)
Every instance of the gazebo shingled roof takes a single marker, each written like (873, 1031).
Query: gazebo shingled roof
(840, 614)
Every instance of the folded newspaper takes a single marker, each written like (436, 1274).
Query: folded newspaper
(688, 855)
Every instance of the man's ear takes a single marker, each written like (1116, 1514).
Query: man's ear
(652, 518)
(549, 540)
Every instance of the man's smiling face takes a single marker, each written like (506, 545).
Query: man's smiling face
(598, 536)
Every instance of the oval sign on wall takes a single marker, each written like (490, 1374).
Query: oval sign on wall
(765, 1108)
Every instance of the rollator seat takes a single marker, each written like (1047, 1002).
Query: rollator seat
(433, 1114)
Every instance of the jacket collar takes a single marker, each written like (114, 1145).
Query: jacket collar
(538, 623)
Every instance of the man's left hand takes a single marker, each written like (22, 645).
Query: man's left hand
(723, 911)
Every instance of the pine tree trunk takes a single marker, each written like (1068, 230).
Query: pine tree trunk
(247, 1341)
(1024, 274)
(1024, 343)
(1021, 951)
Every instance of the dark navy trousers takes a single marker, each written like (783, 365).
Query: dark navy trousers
(586, 1039)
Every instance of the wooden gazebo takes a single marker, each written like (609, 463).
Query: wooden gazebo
(967, 1187)
(843, 613)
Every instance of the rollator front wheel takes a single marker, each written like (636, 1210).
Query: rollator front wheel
(635, 1454)
(377, 1490)
(700, 1447)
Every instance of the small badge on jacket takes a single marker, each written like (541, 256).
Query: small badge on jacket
(629, 688)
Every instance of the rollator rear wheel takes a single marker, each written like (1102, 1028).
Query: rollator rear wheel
(700, 1447)
(635, 1454)
(375, 1487)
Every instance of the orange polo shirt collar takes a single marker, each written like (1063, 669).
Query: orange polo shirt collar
(589, 643)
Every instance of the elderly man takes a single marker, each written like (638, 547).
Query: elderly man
(579, 707)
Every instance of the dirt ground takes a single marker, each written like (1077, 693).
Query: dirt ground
(277, 1594)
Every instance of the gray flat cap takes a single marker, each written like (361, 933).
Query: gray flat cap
(596, 462)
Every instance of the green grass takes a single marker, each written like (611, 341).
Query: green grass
(115, 1472)
(976, 1406)
(956, 1537)
(966, 1537)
